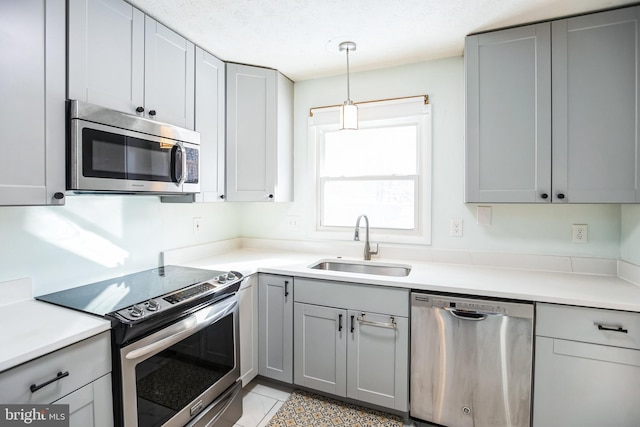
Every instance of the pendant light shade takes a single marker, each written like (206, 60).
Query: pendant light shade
(349, 110)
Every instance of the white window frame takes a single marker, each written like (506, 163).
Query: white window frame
(404, 111)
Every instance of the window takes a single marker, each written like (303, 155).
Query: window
(382, 170)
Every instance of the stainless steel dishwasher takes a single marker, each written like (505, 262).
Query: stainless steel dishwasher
(471, 361)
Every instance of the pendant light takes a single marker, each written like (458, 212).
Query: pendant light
(349, 110)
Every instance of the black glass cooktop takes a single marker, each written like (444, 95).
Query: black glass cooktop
(115, 294)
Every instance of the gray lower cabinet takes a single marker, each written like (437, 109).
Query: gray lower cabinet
(275, 312)
(551, 111)
(90, 405)
(587, 367)
(32, 110)
(248, 306)
(81, 375)
(352, 341)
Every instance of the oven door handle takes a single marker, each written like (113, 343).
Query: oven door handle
(179, 331)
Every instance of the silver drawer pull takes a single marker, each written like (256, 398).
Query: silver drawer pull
(390, 325)
(612, 328)
(58, 377)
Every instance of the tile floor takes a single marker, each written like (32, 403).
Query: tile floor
(260, 401)
(262, 398)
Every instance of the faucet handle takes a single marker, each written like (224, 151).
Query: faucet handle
(356, 235)
(376, 251)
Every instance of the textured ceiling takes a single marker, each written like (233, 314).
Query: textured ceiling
(300, 37)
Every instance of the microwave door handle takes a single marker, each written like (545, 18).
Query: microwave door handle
(179, 162)
(183, 177)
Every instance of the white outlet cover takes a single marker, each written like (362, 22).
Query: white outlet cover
(455, 227)
(579, 233)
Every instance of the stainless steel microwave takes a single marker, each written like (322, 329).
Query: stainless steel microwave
(114, 152)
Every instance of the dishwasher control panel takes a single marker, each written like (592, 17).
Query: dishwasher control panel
(446, 302)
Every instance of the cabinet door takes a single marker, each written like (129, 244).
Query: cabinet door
(383, 379)
(595, 107)
(32, 118)
(91, 405)
(251, 133)
(248, 301)
(106, 54)
(508, 121)
(168, 75)
(210, 122)
(275, 307)
(321, 348)
(586, 385)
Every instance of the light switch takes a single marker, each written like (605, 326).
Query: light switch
(484, 215)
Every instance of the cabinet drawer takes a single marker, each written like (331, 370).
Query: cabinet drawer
(377, 299)
(85, 361)
(598, 326)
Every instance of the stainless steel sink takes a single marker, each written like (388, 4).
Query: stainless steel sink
(364, 267)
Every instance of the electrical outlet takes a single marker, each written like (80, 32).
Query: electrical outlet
(197, 226)
(455, 227)
(293, 223)
(579, 233)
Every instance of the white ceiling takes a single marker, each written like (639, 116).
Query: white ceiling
(300, 37)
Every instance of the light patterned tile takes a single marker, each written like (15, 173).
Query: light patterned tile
(254, 408)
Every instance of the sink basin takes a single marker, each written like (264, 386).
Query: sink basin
(363, 267)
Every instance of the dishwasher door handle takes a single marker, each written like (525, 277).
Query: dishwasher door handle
(475, 316)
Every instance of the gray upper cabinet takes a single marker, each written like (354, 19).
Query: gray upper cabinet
(508, 98)
(168, 75)
(551, 111)
(595, 107)
(121, 59)
(259, 134)
(106, 54)
(210, 122)
(32, 111)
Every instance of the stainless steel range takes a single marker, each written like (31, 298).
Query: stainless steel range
(175, 344)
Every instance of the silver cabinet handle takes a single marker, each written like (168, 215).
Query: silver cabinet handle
(391, 325)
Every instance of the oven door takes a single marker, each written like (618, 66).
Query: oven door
(106, 158)
(173, 375)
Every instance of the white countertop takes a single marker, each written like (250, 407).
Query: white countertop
(31, 329)
(590, 290)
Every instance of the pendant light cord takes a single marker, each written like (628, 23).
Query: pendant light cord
(348, 88)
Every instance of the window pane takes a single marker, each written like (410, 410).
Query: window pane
(387, 203)
(375, 151)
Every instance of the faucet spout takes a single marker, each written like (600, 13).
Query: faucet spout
(356, 236)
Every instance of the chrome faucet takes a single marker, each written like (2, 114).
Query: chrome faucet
(356, 236)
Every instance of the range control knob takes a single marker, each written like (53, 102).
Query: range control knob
(231, 276)
(221, 278)
(136, 311)
(152, 305)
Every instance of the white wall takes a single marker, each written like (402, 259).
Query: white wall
(98, 237)
(630, 234)
(516, 228)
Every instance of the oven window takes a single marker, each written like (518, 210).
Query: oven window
(108, 155)
(168, 381)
